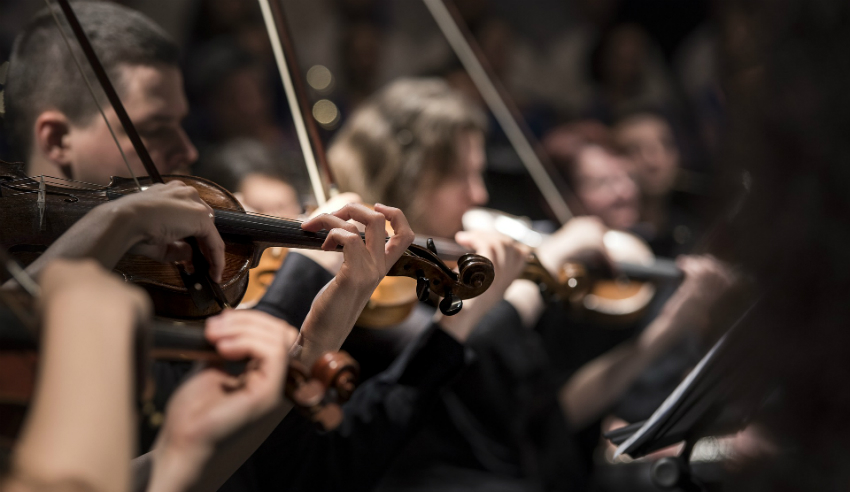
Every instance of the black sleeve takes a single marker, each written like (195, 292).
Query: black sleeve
(379, 420)
(295, 285)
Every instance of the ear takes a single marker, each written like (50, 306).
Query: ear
(51, 138)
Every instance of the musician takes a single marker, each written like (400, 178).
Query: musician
(79, 431)
(418, 145)
(59, 134)
(653, 159)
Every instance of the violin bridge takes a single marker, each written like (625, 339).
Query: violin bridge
(42, 202)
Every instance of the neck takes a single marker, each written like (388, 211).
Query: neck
(38, 165)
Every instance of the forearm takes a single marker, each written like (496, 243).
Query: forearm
(105, 234)
(79, 429)
(228, 455)
(331, 318)
(600, 382)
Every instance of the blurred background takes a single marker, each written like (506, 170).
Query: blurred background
(562, 61)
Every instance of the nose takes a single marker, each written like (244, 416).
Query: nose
(477, 190)
(625, 188)
(185, 154)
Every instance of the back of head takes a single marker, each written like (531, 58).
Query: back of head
(402, 140)
(43, 76)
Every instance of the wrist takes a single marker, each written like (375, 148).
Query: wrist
(125, 225)
(177, 467)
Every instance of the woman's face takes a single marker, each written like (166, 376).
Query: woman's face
(605, 189)
(443, 205)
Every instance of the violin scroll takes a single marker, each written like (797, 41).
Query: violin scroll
(320, 393)
(433, 277)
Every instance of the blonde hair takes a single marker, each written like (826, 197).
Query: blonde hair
(401, 140)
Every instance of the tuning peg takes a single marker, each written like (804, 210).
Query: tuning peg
(451, 304)
(423, 288)
(431, 246)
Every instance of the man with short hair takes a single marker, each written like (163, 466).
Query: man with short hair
(53, 122)
(55, 126)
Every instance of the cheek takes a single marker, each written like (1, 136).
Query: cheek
(595, 203)
(442, 212)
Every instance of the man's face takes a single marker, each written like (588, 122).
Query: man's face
(653, 156)
(154, 100)
(605, 189)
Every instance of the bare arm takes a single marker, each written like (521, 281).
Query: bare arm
(600, 382)
(79, 433)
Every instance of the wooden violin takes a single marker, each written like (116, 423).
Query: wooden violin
(317, 392)
(36, 212)
(588, 288)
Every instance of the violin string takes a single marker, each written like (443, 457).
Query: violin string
(51, 180)
(272, 223)
(91, 91)
(57, 181)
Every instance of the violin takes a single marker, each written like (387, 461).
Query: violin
(317, 392)
(589, 289)
(36, 213)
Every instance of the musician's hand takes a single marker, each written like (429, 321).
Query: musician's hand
(509, 259)
(211, 406)
(330, 260)
(337, 307)
(165, 214)
(580, 239)
(365, 262)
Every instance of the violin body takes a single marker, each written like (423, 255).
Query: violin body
(35, 214)
(318, 392)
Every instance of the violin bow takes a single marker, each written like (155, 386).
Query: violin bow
(199, 284)
(296, 95)
(538, 165)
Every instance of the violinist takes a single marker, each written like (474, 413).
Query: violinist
(418, 144)
(667, 191)
(59, 134)
(79, 433)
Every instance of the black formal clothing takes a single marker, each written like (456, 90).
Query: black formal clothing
(381, 417)
(495, 427)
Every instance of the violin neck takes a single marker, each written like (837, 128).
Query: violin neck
(268, 230)
(447, 249)
(661, 269)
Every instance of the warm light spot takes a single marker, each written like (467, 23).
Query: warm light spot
(319, 77)
(326, 113)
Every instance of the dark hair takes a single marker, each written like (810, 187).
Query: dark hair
(230, 163)
(42, 74)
